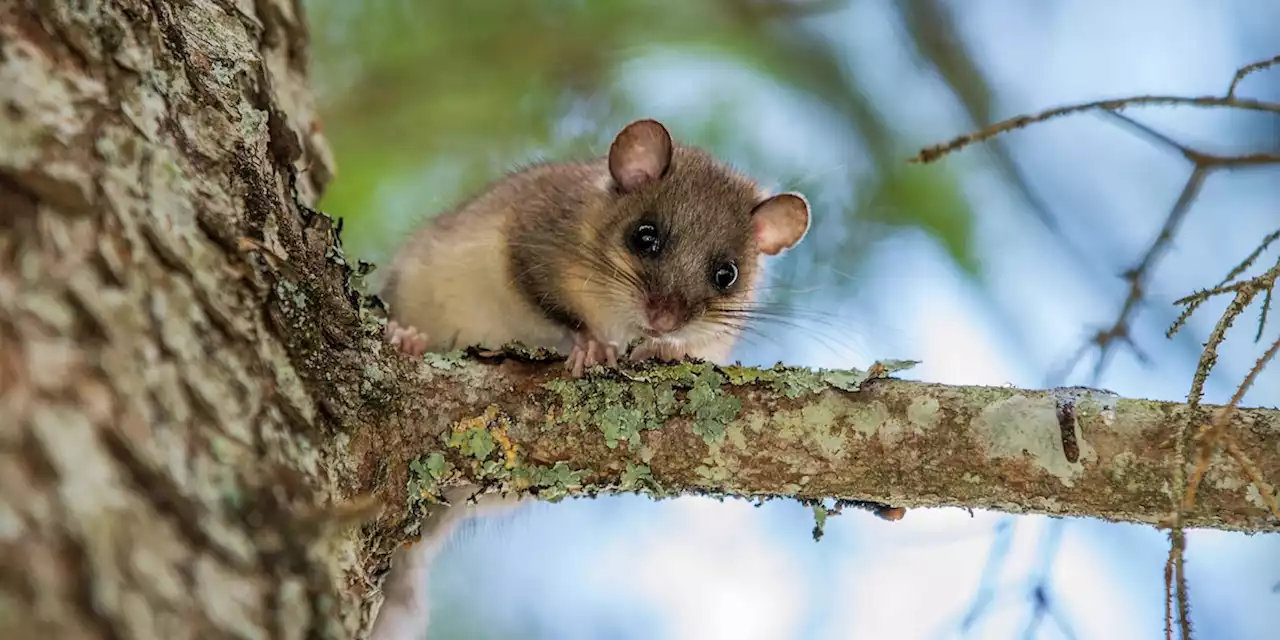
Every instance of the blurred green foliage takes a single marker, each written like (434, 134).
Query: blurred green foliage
(424, 101)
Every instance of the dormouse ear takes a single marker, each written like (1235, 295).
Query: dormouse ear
(780, 222)
(640, 155)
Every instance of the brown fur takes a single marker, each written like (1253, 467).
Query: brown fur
(560, 230)
(542, 257)
(567, 251)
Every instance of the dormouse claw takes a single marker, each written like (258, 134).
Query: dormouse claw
(588, 352)
(407, 340)
(657, 351)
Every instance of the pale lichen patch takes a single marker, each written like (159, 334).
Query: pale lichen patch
(623, 409)
(710, 407)
(1102, 405)
(425, 476)
(817, 425)
(712, 476)
(735, 436)
(1022, 427)
(448, 361)
(871, 419)
(553, 483)
(922, 413)
(1226, 476)
(1254, 496)
(754, 421)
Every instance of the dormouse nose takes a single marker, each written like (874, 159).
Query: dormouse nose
(664, 312)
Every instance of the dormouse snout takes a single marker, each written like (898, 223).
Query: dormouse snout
(664, 314)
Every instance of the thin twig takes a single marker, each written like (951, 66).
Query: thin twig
(1139, 276)
(1248, 69)
(1119, 333)
(1262, 317)
(1252, 257)
(1210, 436)
(1208, 358)
(1151, 133)
(1175, 584)
(1205, 294)
(1255, 476)
(1184, 489)
(1265, 282)
(932, 154)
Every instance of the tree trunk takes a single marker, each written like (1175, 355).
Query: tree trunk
(197, 409)
(156, 444)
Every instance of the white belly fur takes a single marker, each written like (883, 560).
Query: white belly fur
(457, 289)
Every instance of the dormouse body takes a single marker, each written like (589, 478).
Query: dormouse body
(655, 241)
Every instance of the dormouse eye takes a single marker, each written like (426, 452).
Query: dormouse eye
(645, 241)
(724, 275)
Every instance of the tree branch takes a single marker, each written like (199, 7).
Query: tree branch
(694, 428)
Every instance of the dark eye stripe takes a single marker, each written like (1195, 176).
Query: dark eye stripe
(646, 240)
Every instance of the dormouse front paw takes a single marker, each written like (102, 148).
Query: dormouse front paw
(660, 351)
(407, 340)
(588, 352)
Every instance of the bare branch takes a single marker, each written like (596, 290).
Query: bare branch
(931, 26)
(1248, 69)
(1152, 134)
(1181, 486)
(1120, 331)
(1208, 439)
(932, 154)
(1106, 340)
(1264, 283)
(1252, 257)
(1262, 316)
(1175, 586)
(1255, 476)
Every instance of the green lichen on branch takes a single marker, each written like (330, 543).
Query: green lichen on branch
(636, 476)
(551, 484)
(796, 382)
(622, 404)
(711, 409)
(473, 442)
(482, 446)
(426, 474)
(692, 428)
(445, 361)
(820, 514)
(479, 437)
(620, 409)
(518, 351)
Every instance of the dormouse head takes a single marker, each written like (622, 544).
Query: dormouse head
(689, 232)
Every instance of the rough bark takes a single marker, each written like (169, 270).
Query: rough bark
(155, 442)
(796, 433)
(193, 397)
